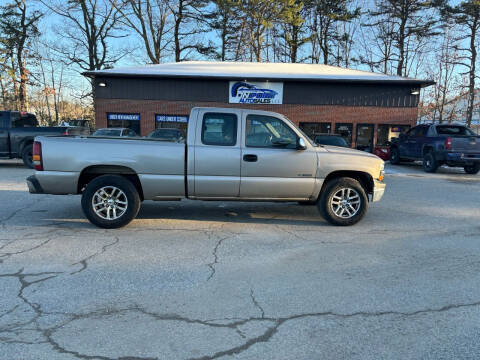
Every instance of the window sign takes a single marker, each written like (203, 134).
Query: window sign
(171, 118)
(122, 120)
(242, 92)
(120, 116)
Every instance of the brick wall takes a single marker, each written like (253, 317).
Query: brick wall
(296, 113)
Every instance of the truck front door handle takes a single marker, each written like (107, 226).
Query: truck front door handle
(250, 158)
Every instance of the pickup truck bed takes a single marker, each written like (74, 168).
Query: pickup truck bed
(229, 154)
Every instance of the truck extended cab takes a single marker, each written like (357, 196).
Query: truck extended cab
(17, 131)
(229, 154)
(449, 144)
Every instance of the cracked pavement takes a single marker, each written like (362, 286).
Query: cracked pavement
(223, 280)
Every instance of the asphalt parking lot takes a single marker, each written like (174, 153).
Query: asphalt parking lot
(221, 280)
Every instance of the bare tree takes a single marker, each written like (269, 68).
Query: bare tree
(149, 19)
(89, 26)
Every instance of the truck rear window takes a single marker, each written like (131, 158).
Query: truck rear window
(454, 130)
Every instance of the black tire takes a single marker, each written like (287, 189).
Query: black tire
(472, 169)
(430, 164)
(325, 202)
(307, 202)
(129, 191)
(394, 156)
(27, 156)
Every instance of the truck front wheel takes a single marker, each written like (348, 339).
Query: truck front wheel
(472, 169)
(343, 202)
(394, 156)
(27, 156)
(110, 201)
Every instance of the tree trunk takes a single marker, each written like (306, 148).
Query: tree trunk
(471, 73)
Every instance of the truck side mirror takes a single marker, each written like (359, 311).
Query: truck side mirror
(301, 145)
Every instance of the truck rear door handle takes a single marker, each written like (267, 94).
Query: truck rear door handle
(250, 158)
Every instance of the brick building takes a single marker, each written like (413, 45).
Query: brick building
(366, 108)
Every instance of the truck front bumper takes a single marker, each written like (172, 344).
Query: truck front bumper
(378, 190)
(34, 186)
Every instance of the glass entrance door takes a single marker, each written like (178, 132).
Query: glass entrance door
(365, 137)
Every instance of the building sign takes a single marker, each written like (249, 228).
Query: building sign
(171, 118)
(242, 92)
(120, 116)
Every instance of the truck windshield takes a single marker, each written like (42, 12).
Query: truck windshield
(454, 130)
(301, 132)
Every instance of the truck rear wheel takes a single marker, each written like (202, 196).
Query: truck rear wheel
(27, 156)
(343, 202)
(110, 201)
(472, 169)
(430, 164)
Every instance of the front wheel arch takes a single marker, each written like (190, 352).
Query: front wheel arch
(365, 179)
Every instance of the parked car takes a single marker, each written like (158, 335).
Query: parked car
(230, 154)
(17, 131)
(436, 145)
(167, 134)
(77, 123)
(383, 152)
(115, 132)
(331, 139)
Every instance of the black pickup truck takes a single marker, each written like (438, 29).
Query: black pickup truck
(436, 145)
(18, 129)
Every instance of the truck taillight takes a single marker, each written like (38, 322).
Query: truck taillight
(448, 143)
(65, 133)
(37, 156)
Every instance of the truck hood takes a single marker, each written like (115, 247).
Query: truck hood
(348, 151)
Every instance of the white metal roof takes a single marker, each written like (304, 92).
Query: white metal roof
(252, 70)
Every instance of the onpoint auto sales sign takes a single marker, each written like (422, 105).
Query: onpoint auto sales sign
(243, 92)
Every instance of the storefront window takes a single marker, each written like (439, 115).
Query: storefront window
(385, 133)
(130, 121)
(171, 121)
(314, 128)
(346, 131)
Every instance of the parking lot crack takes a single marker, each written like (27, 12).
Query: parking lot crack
(256, 304)
(215, 258)
(84, 262)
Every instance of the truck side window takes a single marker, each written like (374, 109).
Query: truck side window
(219, 129)
(268, 131)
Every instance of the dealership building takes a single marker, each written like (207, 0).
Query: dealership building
(366, 108)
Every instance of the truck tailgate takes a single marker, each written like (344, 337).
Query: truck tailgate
(466, 144)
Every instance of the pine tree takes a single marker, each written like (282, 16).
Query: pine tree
(324, 17)
(467, 15)
(410, 21)
(18, 26)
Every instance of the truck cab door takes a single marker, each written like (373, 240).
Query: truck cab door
(217, 155)
(416, 141)
(4, 121)
(271, 165)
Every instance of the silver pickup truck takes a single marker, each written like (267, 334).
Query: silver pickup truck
(229, 154)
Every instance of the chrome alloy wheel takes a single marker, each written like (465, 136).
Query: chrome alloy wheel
(345, 203)
(109, 202)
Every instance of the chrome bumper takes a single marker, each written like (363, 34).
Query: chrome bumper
(378, 190)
